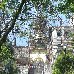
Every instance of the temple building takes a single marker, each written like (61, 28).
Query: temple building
(45, 45)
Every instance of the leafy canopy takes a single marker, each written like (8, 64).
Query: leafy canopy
(7, 62)
(64, 63)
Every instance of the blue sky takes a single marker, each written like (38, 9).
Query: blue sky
(22, 41)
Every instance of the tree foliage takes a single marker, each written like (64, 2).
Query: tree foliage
(64, 64)
(7, 61)
(66, 6)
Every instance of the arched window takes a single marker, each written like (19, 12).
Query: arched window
(59, 33)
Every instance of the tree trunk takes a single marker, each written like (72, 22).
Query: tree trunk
(3, 39)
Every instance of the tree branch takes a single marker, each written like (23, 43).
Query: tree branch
(3, 39)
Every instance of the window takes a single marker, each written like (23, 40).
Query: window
(59, 33)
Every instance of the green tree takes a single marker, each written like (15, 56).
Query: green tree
(64, 64)
(7, 61)
(65, 6)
